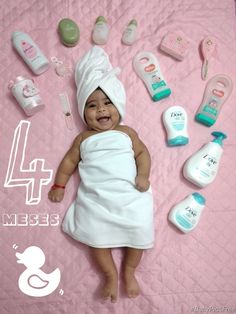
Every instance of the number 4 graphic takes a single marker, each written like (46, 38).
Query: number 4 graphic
(32, 178)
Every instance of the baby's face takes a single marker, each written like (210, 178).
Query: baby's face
(100, 113)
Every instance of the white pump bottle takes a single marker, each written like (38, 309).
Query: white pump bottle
(202, 167)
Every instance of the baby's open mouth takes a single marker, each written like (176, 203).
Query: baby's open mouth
(103, 119)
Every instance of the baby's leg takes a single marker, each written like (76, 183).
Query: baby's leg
(131, 261)
(104, 260)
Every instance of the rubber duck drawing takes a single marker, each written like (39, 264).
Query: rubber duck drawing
(33, 281)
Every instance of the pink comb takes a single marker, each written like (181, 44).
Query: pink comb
(208, 46)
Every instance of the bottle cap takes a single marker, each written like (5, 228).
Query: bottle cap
(219, 137)
(133, 22)
(178, 141)
(199, 198)
(100, 19)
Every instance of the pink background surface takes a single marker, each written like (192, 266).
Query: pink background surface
(181, 272)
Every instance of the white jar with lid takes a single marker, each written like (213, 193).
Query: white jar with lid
(26, 94)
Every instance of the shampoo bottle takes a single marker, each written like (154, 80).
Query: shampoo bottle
(217, 91)
(201, 168)
(130, 33)
(30, 52)
(147, 68)
(175, 121)
(186, 215)
(100, 31)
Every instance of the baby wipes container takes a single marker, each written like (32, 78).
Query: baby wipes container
(202, 167)
(147, 68)
(175, 121)
(186, 215)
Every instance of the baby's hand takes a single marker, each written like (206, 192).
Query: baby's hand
(56, 195)
(142, 183)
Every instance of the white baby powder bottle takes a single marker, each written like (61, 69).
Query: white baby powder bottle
(30, 52)
(130, 33)
(147, 68)
(175, 121)
(202, 167)
(100, 31)
(186, 215)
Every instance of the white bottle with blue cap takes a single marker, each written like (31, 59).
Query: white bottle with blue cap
(186, 214)
(202, 167)
(175, 121)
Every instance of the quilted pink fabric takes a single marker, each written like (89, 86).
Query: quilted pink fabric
(188, 273)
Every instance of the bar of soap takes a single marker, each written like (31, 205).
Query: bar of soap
(69, 32)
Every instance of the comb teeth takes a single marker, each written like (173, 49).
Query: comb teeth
(65, 103)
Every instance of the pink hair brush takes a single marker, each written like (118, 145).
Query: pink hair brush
(208, 46)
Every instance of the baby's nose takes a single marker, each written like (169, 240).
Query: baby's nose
(101, 107)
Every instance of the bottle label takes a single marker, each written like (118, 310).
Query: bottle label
(188, 217)
(29, 50)
(157, 81)
(210, 166)
(178, 120)
(212, 107)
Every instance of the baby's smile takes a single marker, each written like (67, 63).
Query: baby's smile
(103, 119)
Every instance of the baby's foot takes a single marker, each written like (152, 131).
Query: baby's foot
(131, 283)
(110, 288)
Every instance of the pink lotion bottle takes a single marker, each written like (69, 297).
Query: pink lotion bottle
(30, 52)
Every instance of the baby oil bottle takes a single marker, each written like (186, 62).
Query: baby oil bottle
(100, 31)
(130, 33)
(175, 121)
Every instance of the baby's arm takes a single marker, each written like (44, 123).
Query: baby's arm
(143, 162)
(65, 170)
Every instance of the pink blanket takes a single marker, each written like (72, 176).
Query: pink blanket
(183, 273)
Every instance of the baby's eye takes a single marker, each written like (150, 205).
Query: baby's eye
(108, 102)
(91, 106)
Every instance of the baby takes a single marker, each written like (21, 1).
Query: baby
(114, 204)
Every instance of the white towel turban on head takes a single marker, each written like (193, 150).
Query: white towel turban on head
(95, 70)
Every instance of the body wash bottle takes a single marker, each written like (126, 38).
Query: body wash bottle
(147, 68)
(202, 167)
(30, 52)
(175, 121)
(186, 215)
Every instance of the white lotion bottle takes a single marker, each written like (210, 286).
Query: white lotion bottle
(175, 120)
(100, 31)
(147, 68)
(202, 167)
(186, 214)
(30, 52)
(130, 33)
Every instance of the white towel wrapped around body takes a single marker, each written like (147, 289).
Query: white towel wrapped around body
(109, 211)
